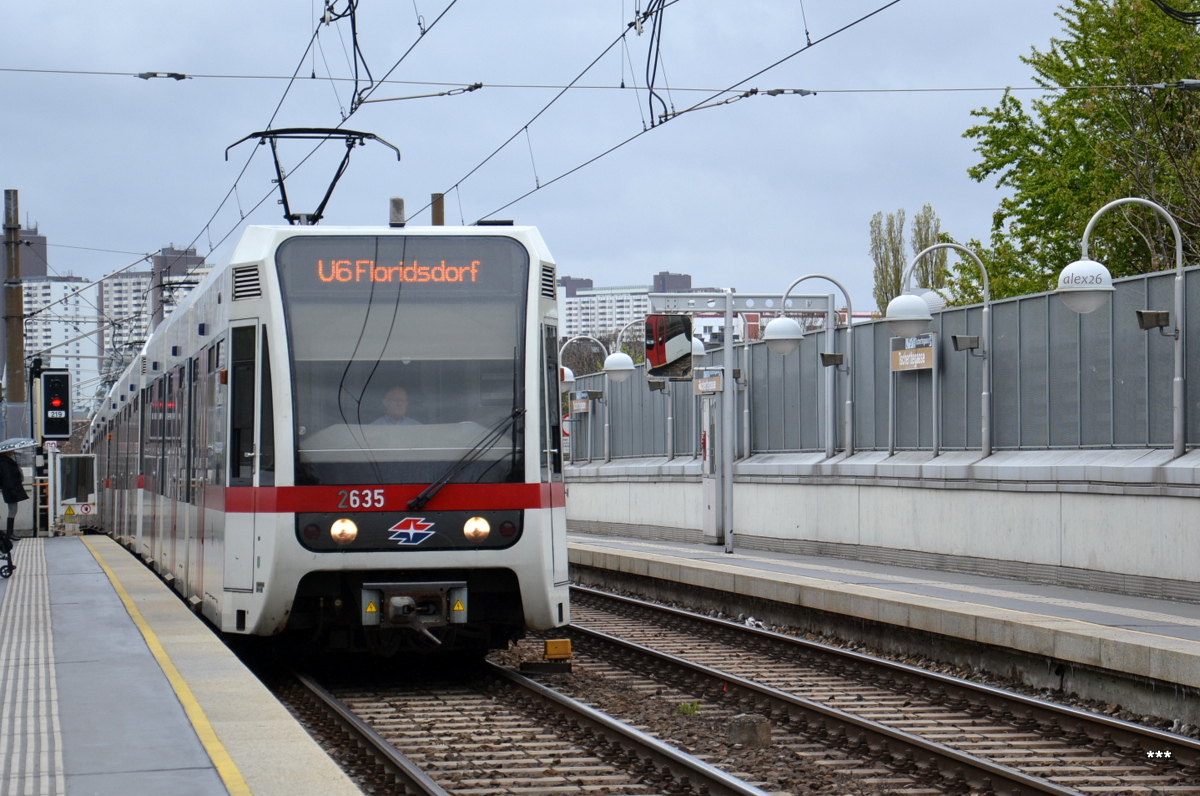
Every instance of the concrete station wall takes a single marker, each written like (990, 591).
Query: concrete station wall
(1124, 520)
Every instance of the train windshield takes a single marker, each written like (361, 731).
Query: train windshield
(405, 351)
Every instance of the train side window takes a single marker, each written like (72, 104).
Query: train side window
(241, 409)
(551, 406)
(266, 447)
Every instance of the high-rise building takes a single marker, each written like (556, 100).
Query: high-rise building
(33, 253)
(599, 311)
(125, 310)
(62, 329)
(571, 285)
(665, 282)
(134, 302)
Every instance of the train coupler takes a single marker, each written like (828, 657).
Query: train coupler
(414, 606)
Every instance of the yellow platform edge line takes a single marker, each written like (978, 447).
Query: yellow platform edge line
(226, 768)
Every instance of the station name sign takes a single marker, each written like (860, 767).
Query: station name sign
(912, 353)
(331, 271)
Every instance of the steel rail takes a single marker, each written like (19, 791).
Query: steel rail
(688, 770)
(412, 778)
(1128, 735)
(953, 765)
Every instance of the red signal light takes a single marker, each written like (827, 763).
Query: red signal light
(56, 402)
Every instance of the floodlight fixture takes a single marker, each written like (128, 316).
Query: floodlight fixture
(1153, 319)
(965, 342)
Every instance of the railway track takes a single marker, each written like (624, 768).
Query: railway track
(501, 733)
(947, 734)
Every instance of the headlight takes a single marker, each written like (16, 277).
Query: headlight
(343, 531)
(476, 529)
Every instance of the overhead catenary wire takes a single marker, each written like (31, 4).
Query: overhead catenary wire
(642, 132)
(459, 87)
(279, 105)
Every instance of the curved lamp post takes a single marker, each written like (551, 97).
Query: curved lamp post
(908, 315)
(783, 336)
(566, 370)
(1086, 284)
(618, 365)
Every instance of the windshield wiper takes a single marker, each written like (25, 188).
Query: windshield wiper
(483, 446)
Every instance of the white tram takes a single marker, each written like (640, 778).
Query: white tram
(352, 435)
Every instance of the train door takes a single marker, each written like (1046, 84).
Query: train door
(182, 494)
(111, 446)
(169, 479)
(244, 460)
(195, 484)
(151, 466)
(174, 477)
(551, 458)
(114, 477)
(127, 466)
(214, 451)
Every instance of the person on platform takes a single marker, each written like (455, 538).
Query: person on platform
(395, 407)
(12, 485)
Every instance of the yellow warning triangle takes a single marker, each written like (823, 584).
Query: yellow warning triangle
(371, 609)
(458, 606)
(69, 511)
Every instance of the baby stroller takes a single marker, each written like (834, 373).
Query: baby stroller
(7, 567)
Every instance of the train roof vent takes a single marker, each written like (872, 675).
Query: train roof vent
(548, 290)
(245, 283)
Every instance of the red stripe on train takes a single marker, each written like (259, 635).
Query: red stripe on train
(452, 497)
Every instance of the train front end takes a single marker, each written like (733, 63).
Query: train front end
(402, 455)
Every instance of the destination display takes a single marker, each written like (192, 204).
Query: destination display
(357, 267)
(369, 271)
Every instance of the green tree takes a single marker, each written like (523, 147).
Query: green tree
(887, 250)
(1106, 131)
(891, 259)
(926, 231)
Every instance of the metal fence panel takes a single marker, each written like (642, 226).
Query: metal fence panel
(1063, 378)
(1160, 361)
(1006, 375)
(1096, 378)
(954, 377)
(881, 363)
(1034, 375)
(1058, 380)
(1129, 366)
(1191, 361)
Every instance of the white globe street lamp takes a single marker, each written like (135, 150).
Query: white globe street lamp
(618, 366)
(783, 336)
(908, 315)
(1086, 284)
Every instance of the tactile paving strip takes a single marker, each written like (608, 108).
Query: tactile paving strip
(31, 760)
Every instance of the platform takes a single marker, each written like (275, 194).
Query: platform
(110, 685)
(1136, 637)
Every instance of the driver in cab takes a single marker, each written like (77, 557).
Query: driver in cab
(395, 407)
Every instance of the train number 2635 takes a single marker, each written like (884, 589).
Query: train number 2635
(360, 498)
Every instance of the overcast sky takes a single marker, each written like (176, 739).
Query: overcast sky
(752, 194)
